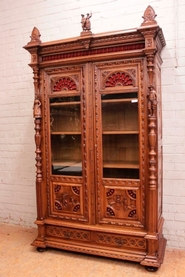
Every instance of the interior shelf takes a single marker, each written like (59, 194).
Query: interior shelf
(58, 104)
(66, 133)
(120, 132)
(132, 100)
(120, 164)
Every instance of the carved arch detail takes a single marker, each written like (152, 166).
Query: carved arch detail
(64, 83)
(118, 78)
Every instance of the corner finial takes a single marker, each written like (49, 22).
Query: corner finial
(35, 36)
(149, 17)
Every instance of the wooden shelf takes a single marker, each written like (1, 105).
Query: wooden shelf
(132, 100)
(66, 133)
(66, 163)
(120, 132)
(120, 164)
(65, 103)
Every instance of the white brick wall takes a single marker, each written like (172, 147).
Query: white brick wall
(58, 19)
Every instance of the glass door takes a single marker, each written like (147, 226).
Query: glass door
(65, 130)
(120, 135)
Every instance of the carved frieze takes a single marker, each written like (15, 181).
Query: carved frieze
(92, 51)
(68, 233)
(120, 241)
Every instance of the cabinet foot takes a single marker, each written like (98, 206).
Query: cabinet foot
(40, 249)
(151, 268)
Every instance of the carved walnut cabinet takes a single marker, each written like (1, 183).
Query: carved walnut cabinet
(98, 139)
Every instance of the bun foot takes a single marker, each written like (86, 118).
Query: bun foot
(151, 268)
(40, 249)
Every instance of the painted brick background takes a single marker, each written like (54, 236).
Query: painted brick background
(57, 19)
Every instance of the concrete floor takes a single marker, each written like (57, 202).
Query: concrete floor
(19, 259)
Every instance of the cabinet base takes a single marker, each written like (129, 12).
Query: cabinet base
(151, 263)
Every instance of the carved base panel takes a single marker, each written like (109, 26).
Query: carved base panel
(118, 246)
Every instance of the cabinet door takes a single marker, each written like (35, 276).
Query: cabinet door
(69, 183)
(118, 136)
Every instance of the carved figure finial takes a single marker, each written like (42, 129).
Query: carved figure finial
(85, 21)
(37, 109)
(149, 16)
(152, 101)
(35, 36)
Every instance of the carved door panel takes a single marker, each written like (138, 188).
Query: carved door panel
(119, 131)
(69, 142)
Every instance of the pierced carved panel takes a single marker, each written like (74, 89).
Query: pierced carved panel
(64, 83)
(119, 78)
(120, 203)
(67, 198)
(115, 74)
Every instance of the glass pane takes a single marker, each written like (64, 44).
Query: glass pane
(65, 127)
(120, 136)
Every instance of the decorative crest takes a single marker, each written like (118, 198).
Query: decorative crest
(149, 16)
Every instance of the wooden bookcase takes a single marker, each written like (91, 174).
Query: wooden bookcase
(98, 139)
